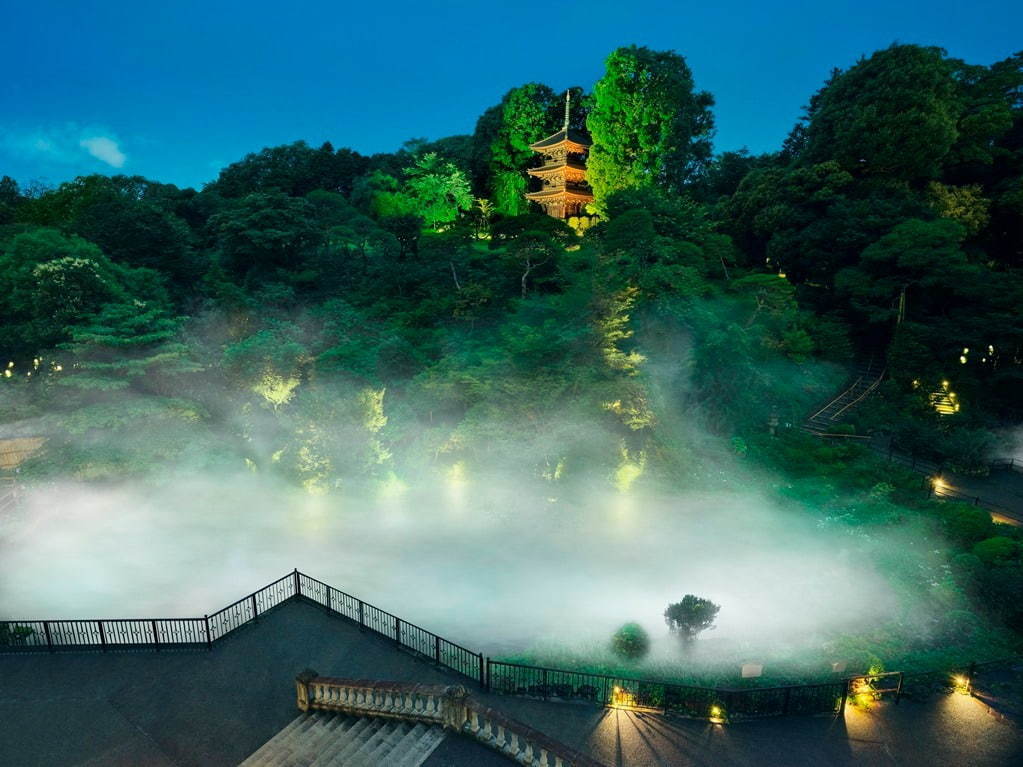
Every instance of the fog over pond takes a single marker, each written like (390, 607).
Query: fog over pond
(480, 561)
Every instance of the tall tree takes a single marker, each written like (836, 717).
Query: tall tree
(648, 124)
(893, 114)
(503, 134)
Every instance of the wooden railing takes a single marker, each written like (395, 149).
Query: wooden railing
(450, 707)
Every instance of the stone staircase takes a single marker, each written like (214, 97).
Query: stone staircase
(868, 377)
(329, 739)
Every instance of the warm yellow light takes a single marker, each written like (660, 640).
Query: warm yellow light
(782, 275)
(715, 711)
(962, 360)
(966, 350)
(944, 384)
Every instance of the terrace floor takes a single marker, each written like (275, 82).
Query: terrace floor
(215, 708)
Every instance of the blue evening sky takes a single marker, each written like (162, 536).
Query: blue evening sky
(175, 90)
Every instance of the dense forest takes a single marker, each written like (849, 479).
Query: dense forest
(336, 319)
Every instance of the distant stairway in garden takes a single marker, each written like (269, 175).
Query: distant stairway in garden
(328, 739)
(867, 378)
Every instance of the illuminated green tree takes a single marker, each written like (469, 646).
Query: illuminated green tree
(648, 125)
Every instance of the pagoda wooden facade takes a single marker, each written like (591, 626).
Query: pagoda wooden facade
(564, 192)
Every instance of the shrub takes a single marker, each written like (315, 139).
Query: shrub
(996, 549)
(630, 641)
(966, 524)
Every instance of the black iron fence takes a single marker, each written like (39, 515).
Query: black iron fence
(407, 636)
(190, 633)
(495, 676)
(702, 702)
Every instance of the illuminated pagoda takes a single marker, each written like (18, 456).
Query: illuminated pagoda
(565, 191)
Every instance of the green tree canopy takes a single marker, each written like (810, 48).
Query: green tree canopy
(648, 125)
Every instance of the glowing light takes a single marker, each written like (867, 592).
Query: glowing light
(456, 475)
(782, 275)
(622, 698)
(962, 360)
(392, 487)
(938, 484)
(628, 470)
(276, 389)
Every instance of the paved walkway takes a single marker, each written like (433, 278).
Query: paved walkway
(215, 708)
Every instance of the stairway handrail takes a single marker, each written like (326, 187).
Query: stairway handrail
(450, 706)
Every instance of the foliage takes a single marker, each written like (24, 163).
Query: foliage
(691, 616)
(630, 641)
(649, 127)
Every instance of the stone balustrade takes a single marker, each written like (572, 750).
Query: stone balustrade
(448, 705)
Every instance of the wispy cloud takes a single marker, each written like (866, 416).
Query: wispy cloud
(104, 148)
(67, 144)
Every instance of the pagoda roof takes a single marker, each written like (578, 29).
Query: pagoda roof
(572, 168)
(563, 136)
(579, 194)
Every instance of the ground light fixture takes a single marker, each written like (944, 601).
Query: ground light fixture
(961, 684)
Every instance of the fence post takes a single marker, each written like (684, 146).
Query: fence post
(969, 676)
(436, 649)
(329, 608)
(397, 630)
(362, 619)
(543, 678)
(483, 680)
(49, 639)
(102, 636)
(209, 641)
(486, 676)
(156, 636)
(298, 584)
(255, 610)
(845, 695)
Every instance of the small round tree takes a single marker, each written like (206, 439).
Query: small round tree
(630, 641)
(691, 616)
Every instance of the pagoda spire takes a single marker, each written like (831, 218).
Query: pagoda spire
(568, 101)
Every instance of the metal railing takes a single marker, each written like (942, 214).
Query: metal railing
(493, 676)
(407, 636)
(194, 633)
(688, 700)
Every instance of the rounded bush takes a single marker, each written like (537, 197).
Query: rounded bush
(630, 641)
